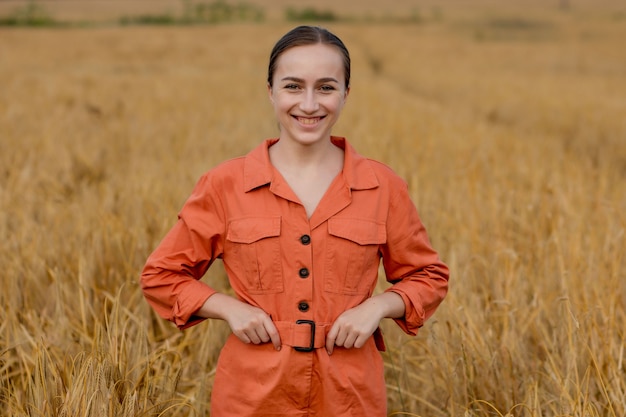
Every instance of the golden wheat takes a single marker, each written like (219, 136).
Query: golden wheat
(509, 130)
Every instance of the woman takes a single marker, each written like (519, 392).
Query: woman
(301, 224)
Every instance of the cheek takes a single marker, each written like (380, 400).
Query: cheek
(282, 104)
(336, 105)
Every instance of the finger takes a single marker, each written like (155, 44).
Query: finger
(360, 341)
(340, 340)
(242, 336)
(254, 337)
(330, 339)
(263, 335)
(349, 341)
(274, 337)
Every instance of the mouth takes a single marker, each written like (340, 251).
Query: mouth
(308, 121)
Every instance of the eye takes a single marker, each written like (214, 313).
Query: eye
(292, 87)
(327, 88)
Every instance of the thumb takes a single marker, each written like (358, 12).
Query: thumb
(272, 331)
(330, 339)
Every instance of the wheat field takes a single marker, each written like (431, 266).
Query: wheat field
(509, 125)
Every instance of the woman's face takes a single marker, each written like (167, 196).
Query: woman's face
(308, 92)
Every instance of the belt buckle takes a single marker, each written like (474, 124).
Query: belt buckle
(312, 345)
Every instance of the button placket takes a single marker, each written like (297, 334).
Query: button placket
(304, 272)
(304, 262)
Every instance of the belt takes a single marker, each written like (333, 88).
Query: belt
(302, 335)
(306, 335)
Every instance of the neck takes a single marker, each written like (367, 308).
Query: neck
(313, 161)
(287, 153)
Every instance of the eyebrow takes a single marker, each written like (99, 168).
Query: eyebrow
(321, 80)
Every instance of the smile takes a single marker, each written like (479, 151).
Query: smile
(308, 120)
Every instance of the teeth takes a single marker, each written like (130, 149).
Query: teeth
(308, 121)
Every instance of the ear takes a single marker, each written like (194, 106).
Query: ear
(270, 92)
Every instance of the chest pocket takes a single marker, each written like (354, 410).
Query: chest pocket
(252, 254)
(352, 255)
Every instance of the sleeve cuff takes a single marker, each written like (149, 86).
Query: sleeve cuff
(189, 302)
(413, 313)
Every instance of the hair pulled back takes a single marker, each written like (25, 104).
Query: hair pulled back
(307, 35)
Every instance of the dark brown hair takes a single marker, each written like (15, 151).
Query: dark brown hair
(308, 35)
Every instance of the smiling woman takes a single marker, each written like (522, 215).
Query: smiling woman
(308, 93)
(514, 148)
(301, 224)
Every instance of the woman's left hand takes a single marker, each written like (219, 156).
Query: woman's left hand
(353, 327)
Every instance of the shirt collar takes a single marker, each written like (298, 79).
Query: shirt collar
(257, 168)
(357, 171)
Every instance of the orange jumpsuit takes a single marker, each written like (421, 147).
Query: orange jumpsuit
(304, 272)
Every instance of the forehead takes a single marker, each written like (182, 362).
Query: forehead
(318, 59)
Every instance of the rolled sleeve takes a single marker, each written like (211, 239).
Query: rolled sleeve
(411, 264)
(189, 301)
(170, 279)
(417, 308)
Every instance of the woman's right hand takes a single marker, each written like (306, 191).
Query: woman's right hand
(249, 323)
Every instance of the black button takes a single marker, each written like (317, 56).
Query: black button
(303, 306)
(303, 273)
(305, 239)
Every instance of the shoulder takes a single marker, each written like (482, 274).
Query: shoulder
(381, 168)
(363, 171)
(386, 175)
(228, 168)
(224, 175)
(245, 172)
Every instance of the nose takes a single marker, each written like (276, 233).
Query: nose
(309, 102)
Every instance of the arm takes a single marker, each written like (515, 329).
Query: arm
(411, 264)
(170, 279)
(249, 323)
(355, 326)
(419, 278)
